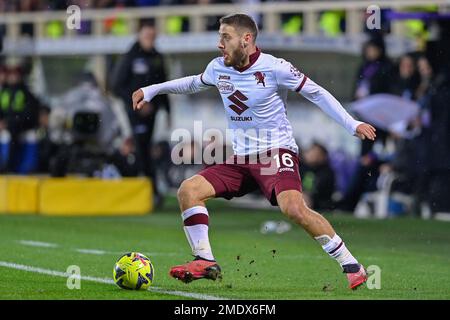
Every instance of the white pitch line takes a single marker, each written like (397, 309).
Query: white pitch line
(91, 251)
(38, 244)
(42, 244)
(105, 280)
(103, 252)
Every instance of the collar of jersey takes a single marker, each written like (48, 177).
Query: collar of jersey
(252, 58)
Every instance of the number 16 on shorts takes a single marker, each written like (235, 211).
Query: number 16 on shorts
(280, 162)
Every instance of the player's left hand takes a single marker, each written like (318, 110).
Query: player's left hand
(365, 130)
(138, 99)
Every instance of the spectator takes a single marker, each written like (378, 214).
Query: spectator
(426, 74)
(408, 78)
(421, 163)
(317, 178)
(374, 76)
(411, 162)
(422, 124)
(18, 113)
(375, 73)
(4, 135)
(141, 66)
(47, 149)
(440, 143)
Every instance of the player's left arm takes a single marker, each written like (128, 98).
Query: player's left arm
(289, 77)
(331, 106)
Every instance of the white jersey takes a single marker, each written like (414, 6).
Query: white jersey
(254, 99)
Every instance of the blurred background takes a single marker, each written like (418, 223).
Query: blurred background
(68, 68)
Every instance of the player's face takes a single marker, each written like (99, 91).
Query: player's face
(231, 43)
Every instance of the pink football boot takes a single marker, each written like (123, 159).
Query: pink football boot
(357, 278)
(197, 269)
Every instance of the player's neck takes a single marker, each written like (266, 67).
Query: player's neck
(250, 57)
(250, 51)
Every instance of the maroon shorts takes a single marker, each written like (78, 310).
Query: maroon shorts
(272, 173)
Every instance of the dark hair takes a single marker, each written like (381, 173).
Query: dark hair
(376, 40)
(240, 20)
(146, 23)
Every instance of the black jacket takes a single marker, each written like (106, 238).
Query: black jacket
(320, 184)
(136, 69)
(382, 79)
(19, 108)
(381, 82)
(440, 124)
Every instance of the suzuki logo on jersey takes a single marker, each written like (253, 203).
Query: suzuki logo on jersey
(259, 77)
(239, 106)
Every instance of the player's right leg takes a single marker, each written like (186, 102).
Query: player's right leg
(192, 195)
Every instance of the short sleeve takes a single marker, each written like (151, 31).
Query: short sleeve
(207, 77)
(288, 76)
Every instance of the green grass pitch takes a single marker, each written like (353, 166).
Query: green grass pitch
(413, 255)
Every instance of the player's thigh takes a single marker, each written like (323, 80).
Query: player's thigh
(196, 188)
(279, 175)
(229, 180)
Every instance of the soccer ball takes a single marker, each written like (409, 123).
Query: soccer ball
(133, 271)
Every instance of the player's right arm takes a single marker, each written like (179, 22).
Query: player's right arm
(186, 85)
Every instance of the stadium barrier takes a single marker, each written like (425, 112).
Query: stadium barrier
(75, 196)
(19, 195)
(320, 22)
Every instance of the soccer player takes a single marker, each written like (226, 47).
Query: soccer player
(253, 86)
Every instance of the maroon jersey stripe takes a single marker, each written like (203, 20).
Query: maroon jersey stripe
(252, 59)
(301, 84)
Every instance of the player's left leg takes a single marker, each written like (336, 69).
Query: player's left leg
(292, 205)
(220, 180)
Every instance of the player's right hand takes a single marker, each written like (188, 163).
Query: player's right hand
(138, 99)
